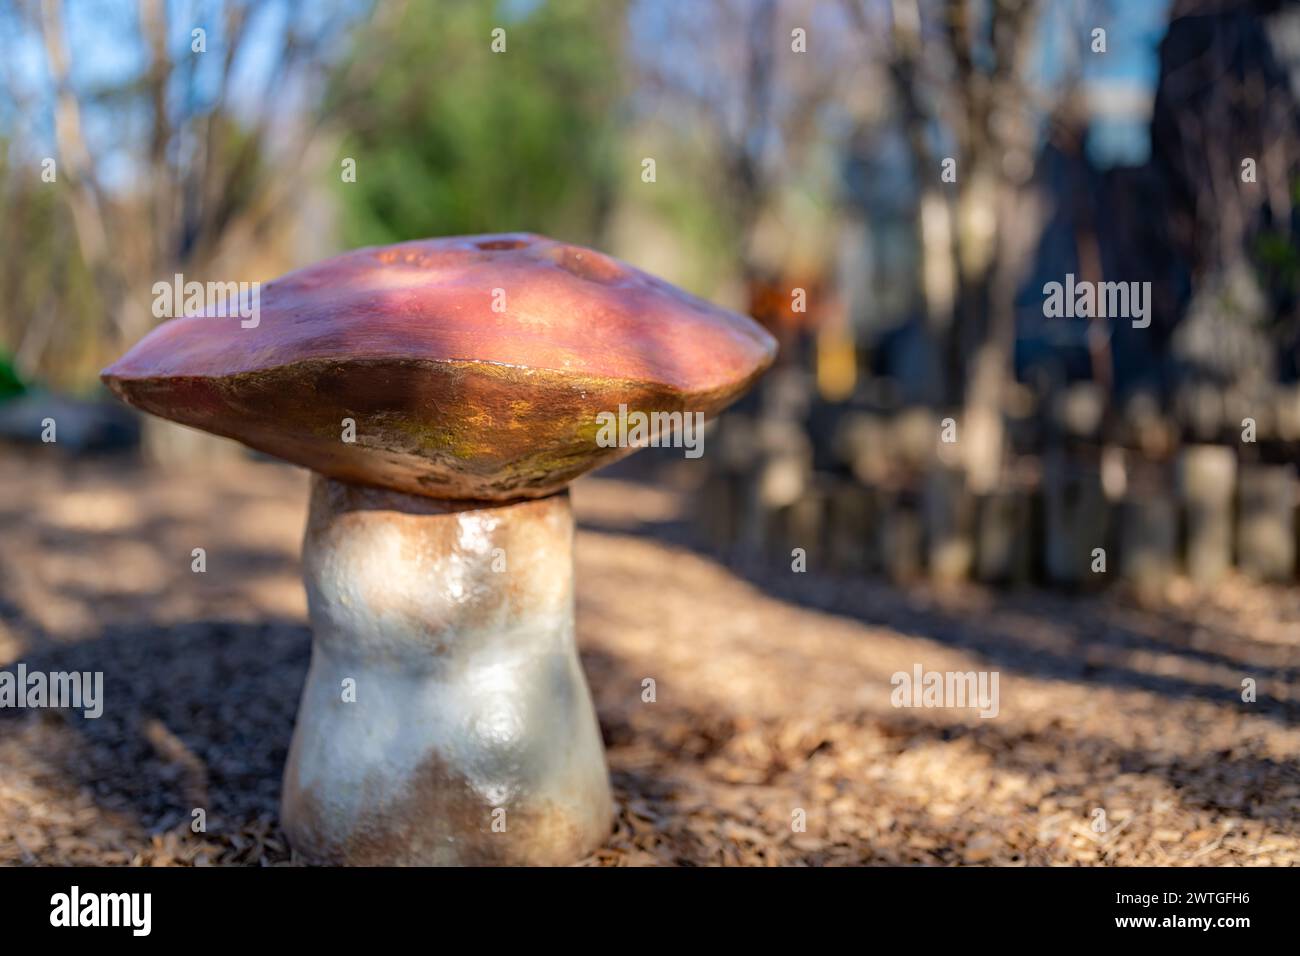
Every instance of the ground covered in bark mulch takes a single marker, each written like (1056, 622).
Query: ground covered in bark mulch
(772, 693)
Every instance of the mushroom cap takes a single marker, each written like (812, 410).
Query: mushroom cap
(474, 367)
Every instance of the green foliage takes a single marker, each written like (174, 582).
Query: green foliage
(51, 312)
(1276, 257)
(1280, 259)
(10, 383)
(450, 137)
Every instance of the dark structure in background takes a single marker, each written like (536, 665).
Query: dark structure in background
(1129, 451)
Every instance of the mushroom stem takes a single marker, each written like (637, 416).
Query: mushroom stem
(445, 718)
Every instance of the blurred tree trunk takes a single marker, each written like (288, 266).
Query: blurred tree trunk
(1226, 146)
(989, 219)
(205, 188)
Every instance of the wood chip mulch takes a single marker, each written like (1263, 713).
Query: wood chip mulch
(771, 739)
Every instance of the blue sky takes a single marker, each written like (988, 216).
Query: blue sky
(1128, 70)
(105, 50)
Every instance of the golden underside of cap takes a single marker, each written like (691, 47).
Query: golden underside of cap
(443, 429)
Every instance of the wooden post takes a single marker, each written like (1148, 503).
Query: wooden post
(802, 525)
(901, 539)
(1004, 548)
(782, 474)
(949, 511)
(1207, 479)
(1148, 541)
(721, 505)
(728, 499)
(1076, 519)
(849, 526)
(1287, 412)
(1266, 522)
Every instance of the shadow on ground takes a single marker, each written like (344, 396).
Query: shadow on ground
(769, 738)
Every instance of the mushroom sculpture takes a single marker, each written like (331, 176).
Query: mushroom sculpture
(445, 392)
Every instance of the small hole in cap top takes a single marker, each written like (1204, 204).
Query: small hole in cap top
(493, 245)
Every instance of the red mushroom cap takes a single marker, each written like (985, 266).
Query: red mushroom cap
(473, 366)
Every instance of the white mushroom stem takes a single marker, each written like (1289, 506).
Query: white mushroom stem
(445, 718)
